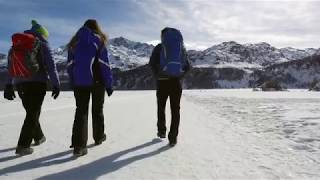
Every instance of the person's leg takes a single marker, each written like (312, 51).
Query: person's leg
(38, 133)
(98, 94)
(32, 95)
(162, 96)
(175, 96)
(80, 125)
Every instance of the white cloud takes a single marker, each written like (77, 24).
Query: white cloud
(205, 22)
(202, 22)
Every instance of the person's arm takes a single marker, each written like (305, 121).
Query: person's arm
(9, 78)
(106, 69)
(50, 65)
(187, 66)
(9, 90)
(51, 68)
(154, 61)
(70, 65)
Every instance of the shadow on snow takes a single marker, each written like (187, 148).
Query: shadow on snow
(107, 164)
(91, 170)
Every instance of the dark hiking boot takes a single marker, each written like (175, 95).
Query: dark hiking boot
(172, 142)
(80, 151)
(104, 137)
(22, 151)
(40, 141)
(161, 135)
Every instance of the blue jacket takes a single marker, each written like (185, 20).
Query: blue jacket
(81, 59)
(47, 61)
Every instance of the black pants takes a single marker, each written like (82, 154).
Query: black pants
(172, 89)
(80, 125)
(32, 96)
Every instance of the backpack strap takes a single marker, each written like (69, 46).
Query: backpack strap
(98, 53)
(42, 65)
(97, 76)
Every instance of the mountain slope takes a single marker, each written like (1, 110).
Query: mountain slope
(225, 65)
(123, 53)
(246, 56)
(126, 54)
(3, 61)
(294, 74)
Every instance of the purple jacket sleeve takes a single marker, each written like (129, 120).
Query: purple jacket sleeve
(9, 78)
(50, 65)
(70, 64)
(105, 67)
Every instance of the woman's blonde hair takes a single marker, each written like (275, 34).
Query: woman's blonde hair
(94, 26)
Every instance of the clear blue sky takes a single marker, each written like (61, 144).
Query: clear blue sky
(202, 22)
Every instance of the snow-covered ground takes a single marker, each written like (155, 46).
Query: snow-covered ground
(224, 134)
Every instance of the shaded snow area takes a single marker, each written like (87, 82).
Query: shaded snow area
(224, 134)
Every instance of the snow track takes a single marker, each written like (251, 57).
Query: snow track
(215, 140)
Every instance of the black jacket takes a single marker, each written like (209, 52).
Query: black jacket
(154, 63)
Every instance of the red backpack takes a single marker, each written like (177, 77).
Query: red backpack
(23, 58)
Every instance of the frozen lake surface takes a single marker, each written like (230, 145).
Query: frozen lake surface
(238, 134)
(285, 125)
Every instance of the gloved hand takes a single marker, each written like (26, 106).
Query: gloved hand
(55, 92)
(9, 92)
(109, 91)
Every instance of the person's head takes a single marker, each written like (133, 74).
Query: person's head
(41, 30)
(93, 25)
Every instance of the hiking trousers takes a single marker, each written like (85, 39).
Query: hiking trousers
(32, 96)
(80, 125)
(169, 88)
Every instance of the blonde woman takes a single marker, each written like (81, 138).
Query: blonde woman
(90, 75)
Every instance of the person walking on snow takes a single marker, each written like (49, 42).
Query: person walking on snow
(90, 74)
(31, 84)
(169, 63)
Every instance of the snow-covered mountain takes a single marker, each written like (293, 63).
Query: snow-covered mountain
(123, 53)
(126, 54)
(294, 54)
(293, 74)
(60, 54)
(2, 56)
(246, 56)
(3, 61)
(225, 65)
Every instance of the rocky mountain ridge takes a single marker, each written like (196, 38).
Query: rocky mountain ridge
(225, 65)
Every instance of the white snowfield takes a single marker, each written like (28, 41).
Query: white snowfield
(224, 134)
